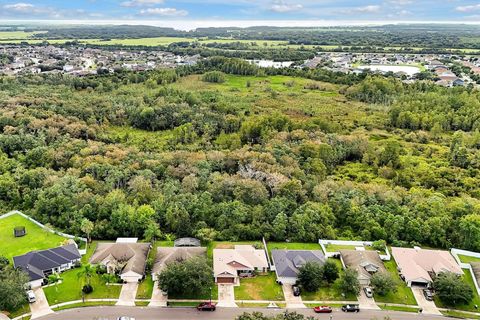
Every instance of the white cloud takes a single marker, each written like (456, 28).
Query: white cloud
(171, 12)
(475, 7)
(282, 7)
(363, 10)
(140, 3)
(400, 2)
(19, 7)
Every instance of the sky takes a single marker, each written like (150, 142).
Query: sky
(266, 12)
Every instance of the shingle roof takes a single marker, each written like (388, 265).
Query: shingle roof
(287, 262)
(135, 254)
(243, 257)
(365, 262)
(416, 263)
(166, 255)
(36, 262)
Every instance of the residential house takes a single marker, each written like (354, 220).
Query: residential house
(167, 255)
(242, 261)
(126, 257)
(365, 262)
(288, 262)
(419, 266)
(40, 264)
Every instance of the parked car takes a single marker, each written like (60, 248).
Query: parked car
(368, 292)
(125, 318)
(296, 291)
(428, 294)
(206, 306)
(322, 309)
(31, 296)
(351, 308)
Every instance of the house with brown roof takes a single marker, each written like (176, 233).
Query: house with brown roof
(229, 265)
(126, 258)
(419, 266)
(167, 255)
(365, 262)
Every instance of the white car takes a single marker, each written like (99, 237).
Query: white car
(31, 296)
(368, 292)
(125, 318)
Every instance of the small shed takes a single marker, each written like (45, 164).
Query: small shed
(187, 242)
(19, 232)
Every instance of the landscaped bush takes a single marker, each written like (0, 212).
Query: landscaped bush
(87, 289)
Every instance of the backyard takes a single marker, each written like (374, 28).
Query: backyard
(262, 287)
(468, 259)
(35, 239)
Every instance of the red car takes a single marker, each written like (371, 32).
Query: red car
(322, 309)
(206, 306)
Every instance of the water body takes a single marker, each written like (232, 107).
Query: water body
(271, 63)
(410, 70)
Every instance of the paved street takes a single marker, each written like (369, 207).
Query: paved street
(148, 313)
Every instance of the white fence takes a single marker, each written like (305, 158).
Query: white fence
(456, 252)
(68, 236)
(323, 243)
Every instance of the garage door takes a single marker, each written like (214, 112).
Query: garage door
(225, 280)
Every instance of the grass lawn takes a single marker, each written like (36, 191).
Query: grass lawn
(85, 304)
(292, 246)
(202, 296)
(459, 315)
(329, 293)
(403, 295)
(145, 288)
(35, 239)
(337, 247)
(467, 277)
(71, 286)
(227, 245)
(468, 259)
(398, 308)
(24, 309)
(141, 303)
(182, 304)
(262, 287)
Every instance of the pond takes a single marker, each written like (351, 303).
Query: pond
(410, 70)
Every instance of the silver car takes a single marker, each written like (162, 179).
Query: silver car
(368, 292)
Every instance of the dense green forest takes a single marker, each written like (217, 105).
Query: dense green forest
(398, 35)
(296, 155)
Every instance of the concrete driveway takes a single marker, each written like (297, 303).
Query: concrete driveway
(226, 296)
(158, 298)
(128, 294)
(292, 301)
(428, 307)
(40, 308)
(366, 302)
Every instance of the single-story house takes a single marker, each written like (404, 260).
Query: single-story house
(288, 262)
(242, 261)
(417, 266)
(40, 264)
(166, 255)
(126, 258)
(365, 262)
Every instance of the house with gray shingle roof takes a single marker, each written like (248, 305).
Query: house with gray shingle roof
(40, 264)
(127, 259)
(288, 262)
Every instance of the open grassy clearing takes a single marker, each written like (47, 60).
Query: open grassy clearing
(7, 35)
(261, 287)
(467, 277)
(468, 259)
(403, 295)
(147, 141)
(35, 239)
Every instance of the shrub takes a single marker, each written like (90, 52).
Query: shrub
(87, 289)
(214, 77)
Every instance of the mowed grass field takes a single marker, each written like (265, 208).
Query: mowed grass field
(261, 287)
(35, 239)
(6, 35)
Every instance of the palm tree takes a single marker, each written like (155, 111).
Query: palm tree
(54, 278)
(86, 272)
